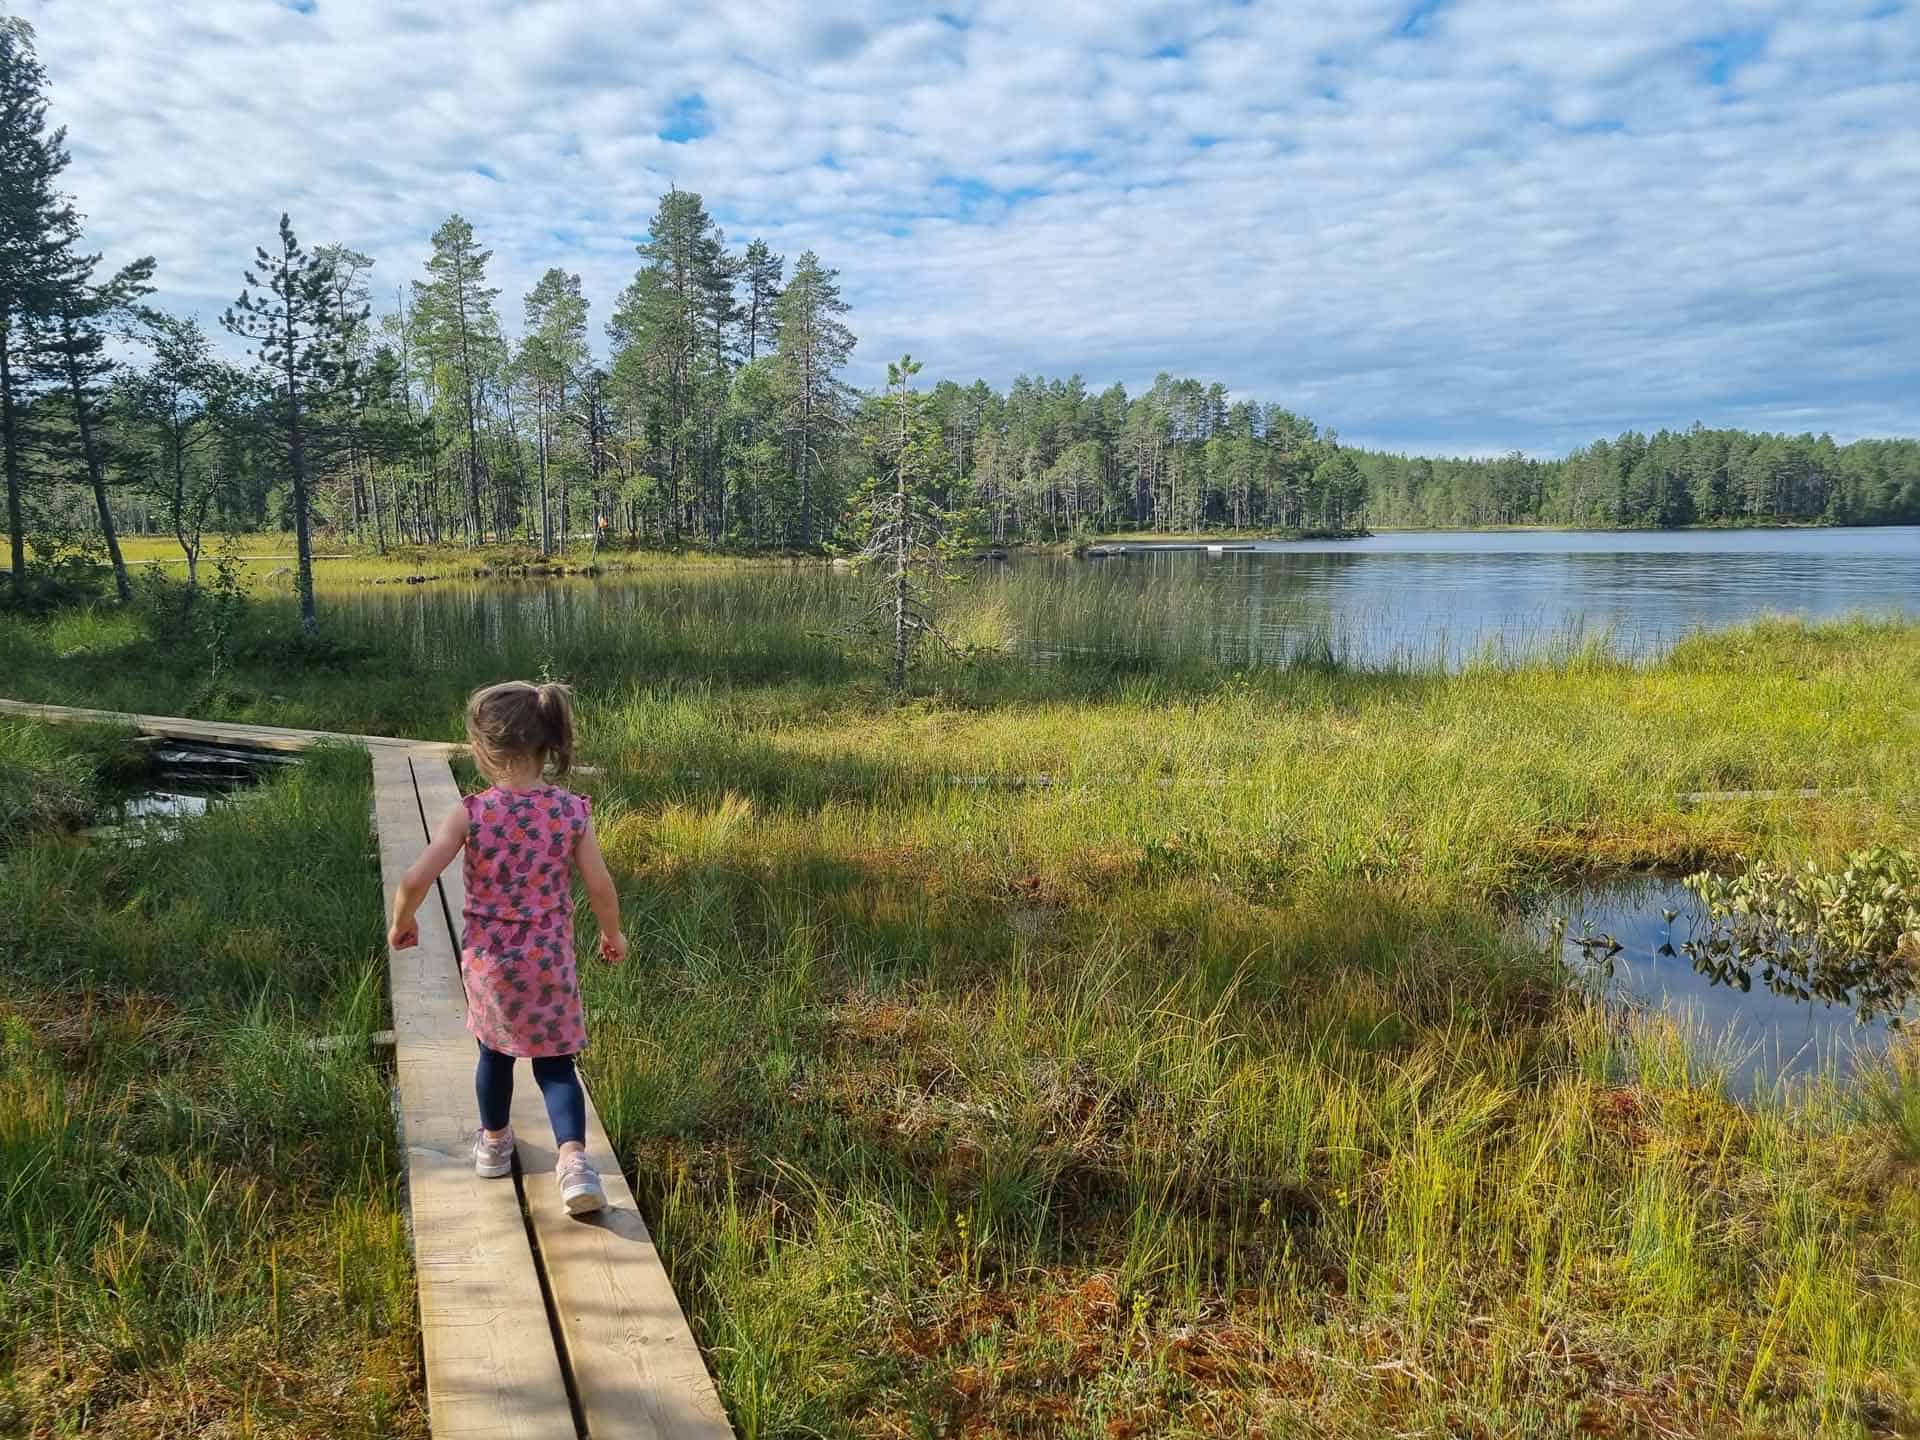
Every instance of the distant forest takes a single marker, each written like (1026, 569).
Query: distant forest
(709, 407)
(1692, 477)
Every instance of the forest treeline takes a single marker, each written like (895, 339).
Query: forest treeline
(1691, 477)
(709, 406)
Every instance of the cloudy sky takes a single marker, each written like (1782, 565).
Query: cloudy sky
(1457, 225)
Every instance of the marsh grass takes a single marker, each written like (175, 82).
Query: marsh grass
(199, 1224)
(268, 559)
(1136, 1043)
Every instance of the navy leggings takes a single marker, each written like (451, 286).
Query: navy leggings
(559, 1087)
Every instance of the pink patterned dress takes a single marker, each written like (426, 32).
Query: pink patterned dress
(516, 949)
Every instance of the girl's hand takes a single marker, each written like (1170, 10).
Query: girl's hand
(613, 948)
(403, 934)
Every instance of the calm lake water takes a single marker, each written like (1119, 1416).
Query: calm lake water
(1447, 595)
(1414, 598)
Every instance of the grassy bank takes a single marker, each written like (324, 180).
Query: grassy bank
(199, 1218)
(268, 558)
(1201, 1087)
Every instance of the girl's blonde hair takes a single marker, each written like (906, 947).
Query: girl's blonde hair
(517, 719)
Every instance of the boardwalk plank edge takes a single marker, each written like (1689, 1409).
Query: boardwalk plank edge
(258, 737)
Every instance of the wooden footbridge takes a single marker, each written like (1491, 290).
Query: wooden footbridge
(535, 1325)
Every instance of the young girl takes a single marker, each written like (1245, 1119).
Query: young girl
(522, 837)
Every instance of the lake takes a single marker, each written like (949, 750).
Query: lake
(1426, 596)
(1413, 599)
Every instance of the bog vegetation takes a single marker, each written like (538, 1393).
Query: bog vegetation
(1123, 1045)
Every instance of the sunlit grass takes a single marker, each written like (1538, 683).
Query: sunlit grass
(267, 559)
(199, 1219)
(1136, 1041)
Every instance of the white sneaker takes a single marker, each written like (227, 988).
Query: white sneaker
(493, 1158)
(580, 1188)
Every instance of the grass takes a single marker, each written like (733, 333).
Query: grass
(1202, 1086)
(54, 781)
(267, 558)
(199, 1214)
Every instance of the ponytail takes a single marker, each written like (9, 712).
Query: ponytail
(516, 721)
(556, 718)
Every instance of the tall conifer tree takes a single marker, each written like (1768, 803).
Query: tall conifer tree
(78, 347)
(288, 312)
(37, 228)
(814, 345)
(461, 330)
(553, 355)
(668, 333)
(761, 269)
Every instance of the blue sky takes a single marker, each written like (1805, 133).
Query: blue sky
(1449, 225)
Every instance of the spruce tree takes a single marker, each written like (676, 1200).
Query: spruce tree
(287, 311)
(902, 527)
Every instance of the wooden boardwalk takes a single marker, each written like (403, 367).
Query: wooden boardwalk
(535, 1325)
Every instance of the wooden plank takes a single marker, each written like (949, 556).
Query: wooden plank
(176, 727)
(636, 1368)
(491, 1366)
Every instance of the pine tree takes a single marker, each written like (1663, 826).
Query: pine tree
(761, 271)
(668, 352)
(461, 329)
(37, 228)
(553, 354)
(78, 346)
(287, 311)
(814, 345)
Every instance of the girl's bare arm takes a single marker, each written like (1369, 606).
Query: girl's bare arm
(404, 933)
(601, 895)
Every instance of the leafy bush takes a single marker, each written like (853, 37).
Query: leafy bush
(60, 572)
(1849, 935)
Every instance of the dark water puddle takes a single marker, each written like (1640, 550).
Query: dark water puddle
(182, 783)
(1644, 943)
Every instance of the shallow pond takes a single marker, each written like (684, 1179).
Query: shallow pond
(1759, 1036)
(182, 783)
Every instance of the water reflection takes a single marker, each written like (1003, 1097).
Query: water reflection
(1632, 940)
(183, 782)
(1416, 600)
(1448, 596)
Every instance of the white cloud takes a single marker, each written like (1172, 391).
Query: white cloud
(1521, 225)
